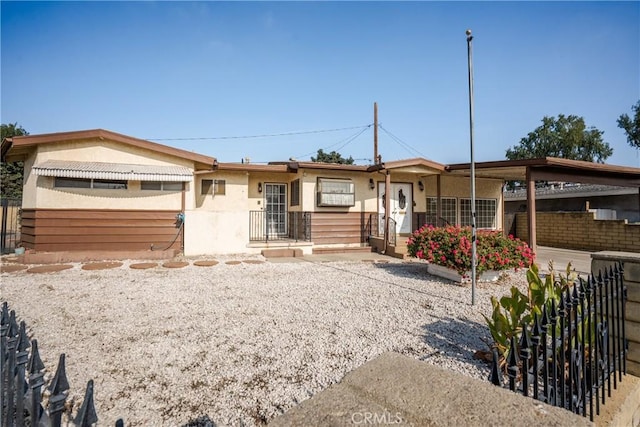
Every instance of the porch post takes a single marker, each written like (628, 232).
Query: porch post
(438, 200)
(387, 206)
(531, 210)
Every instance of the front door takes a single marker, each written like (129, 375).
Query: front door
(275, 202)
(401, 205)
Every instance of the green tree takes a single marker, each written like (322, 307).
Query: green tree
(11, 174)
(332, 157)
(631, 126)
(566, 137)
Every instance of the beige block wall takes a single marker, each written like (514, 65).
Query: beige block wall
(580, 230)
(631, 265)
(39, 192)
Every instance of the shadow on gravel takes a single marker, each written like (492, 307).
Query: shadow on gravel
(201, 421)
(457, 339)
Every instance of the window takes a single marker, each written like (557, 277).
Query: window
(72, 183)
(219, 186)
(207, 187)
(295, 192)
(108, 184)
(486, 210)
(336, 192)
(161, 185)
(213, 186)
(448, 210)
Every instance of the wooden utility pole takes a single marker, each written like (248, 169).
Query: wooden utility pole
(375, 133)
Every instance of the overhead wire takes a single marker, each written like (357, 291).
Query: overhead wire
(346, 141)
(400, 142)
(261, 135)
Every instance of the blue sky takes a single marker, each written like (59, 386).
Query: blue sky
(211, 69)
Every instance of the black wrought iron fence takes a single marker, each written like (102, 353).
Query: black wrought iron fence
(575, 354)
(266, 226)
(10, 210)
(376, 225)
(22, 384)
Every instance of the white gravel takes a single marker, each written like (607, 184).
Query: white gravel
(241, 344)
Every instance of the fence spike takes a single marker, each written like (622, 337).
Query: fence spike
(554, 313)
(4, 318)
(35, 362)
(13, 325)
(545, 317)
(496, 376)
(23, 339)
(119, 422)
(87, 414)
(535, 332)
(525, 342)
(59, 382)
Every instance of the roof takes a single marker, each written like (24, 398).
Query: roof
(116, 171)
(553, 169)
(19, 146)
(416, 165)
(569, 191)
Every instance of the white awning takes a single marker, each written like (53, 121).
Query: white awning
(113, 171)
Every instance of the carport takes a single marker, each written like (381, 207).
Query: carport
(550, 169)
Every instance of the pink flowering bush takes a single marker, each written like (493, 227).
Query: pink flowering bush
(451, 247)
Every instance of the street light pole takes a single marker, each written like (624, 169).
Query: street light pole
(473, 174)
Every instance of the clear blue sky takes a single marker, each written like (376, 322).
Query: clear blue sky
(210, 69)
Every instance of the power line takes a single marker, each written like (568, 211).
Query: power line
(403, 144)
(346, 141)
(260, 136)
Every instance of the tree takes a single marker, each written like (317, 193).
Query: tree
(332, 157)
(631, 126)
(11, 174)
(566, 137)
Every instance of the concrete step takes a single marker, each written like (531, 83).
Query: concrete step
(342, 250)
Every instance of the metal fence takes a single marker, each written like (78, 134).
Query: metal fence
(9, 224)
(22, 384)
(267, 226)
(575, 353)
(376, 227)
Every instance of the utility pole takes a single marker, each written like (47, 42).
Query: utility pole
(375, 133)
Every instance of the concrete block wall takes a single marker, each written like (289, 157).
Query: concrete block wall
(631, 266)
(580, 230)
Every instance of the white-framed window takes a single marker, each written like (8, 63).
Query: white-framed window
(108, 184)
(486, 210)
(448, 211)
(335, 192)
(161, 185)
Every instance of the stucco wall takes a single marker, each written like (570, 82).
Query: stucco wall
(219, 232)
(460, 187)
(39, 192)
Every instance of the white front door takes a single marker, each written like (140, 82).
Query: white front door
(275, 203)
(401, 208)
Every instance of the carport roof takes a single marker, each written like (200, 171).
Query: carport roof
(552, 169)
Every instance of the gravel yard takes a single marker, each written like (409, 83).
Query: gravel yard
(242, 343)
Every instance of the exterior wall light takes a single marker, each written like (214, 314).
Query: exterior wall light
(420, 185)
(259, 187)
(372, 184)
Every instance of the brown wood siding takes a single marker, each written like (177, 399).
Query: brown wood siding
(339, 227)
(110, 230)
